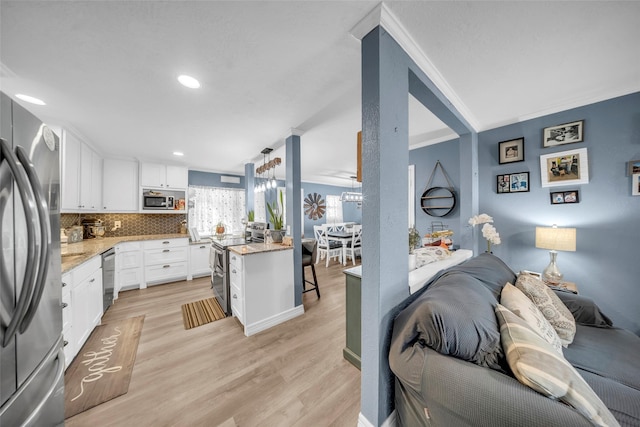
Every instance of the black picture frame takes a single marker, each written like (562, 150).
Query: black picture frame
(511, 151)
(513, 183)
(566, 133)
(564, 197)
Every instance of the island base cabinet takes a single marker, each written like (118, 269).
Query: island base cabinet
(262, 289)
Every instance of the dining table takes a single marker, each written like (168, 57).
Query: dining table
(344, 237)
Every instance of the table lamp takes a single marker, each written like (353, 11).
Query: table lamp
(555, 239)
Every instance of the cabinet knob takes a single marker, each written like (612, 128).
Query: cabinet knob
(235, 296)
(166, 250)
(166, 242)
(64, 343)
(202, 247)
(64, 284)
(166, 266)
(92, 280)
(233, 271)
(65, 305)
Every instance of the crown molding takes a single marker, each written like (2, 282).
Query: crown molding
(382, 16)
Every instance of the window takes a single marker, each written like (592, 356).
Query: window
(210, 205)
(334, 209)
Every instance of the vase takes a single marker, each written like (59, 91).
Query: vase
(276, 235)
(413, 258)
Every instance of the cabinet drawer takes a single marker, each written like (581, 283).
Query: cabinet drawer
(236, 260)
(236, 302)
(128, 246)
(166, 243)
(165, 272)
(236, 277)
(86, 269)
(165, 256)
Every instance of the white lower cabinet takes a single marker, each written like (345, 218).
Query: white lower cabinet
(262, 289)
(165, 260)
(129, 267)
(82, 294)
(199, 260)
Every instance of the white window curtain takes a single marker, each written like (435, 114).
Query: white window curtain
(210, 205)
(259, 208)
(334, 209)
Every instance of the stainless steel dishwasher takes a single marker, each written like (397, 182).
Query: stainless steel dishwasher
(108, 277)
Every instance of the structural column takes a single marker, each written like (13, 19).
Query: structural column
(249, 186)
(294, 209)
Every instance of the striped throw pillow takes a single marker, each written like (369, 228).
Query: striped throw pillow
(518, 303)
(536, 364)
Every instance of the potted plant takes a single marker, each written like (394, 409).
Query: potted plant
(276, 218)
(414, 241)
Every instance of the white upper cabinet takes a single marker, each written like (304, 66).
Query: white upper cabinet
(163, 176)
(81, 176)
(120, 185)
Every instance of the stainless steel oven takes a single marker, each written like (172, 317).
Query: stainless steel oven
(219, 263)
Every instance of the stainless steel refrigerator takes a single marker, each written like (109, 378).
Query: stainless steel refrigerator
(31, 349)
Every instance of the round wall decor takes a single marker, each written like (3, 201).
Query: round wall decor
(438, 201)
(314, 206)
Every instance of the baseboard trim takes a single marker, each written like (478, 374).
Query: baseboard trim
(391, 421)
(267, 323)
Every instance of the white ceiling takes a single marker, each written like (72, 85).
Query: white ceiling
(107, 71)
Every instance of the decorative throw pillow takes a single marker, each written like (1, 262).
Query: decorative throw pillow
(430, 254)
(550, 305)
(537, 365)
(513, 298)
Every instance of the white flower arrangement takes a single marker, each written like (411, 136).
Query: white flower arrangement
(488, 231)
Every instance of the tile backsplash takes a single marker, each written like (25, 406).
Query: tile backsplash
(132, 224)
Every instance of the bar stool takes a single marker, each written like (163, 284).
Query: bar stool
(308, 258)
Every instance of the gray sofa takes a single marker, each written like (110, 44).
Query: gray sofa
(451, 370)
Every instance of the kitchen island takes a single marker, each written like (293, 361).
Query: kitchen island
(262, 285)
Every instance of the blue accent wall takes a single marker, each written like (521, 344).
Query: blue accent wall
(607, 219)
(425, 159)
(350, 211)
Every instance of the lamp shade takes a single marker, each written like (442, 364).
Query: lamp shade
(554, 238)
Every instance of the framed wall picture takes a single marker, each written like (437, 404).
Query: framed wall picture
(635, 184)
(634, 167)
(565, 197)
(511, 151)
(564, 168)
(513, 183)
(567, 133)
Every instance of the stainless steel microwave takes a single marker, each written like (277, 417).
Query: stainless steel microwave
(157, 201)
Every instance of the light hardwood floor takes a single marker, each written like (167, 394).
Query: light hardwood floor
(290, 375)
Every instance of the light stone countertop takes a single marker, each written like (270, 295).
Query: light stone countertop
(74, 254)
(257, 248)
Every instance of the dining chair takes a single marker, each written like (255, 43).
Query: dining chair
(307, 261)
(355, 246)
(326, 248)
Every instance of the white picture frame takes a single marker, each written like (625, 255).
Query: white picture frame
(569, 167)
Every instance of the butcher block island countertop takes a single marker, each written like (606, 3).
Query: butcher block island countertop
(74, 254)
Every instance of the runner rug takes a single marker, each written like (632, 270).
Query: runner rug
(201, 312)
(102, 369)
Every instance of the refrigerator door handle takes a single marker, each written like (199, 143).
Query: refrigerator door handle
(29, 206)
(45, 237)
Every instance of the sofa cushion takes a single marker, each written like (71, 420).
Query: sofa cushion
(608, 352)
(536, 364)
(585, 311)
(623, 401)
(524, 308)
(455, 317)
(490, 270)
(550, 305)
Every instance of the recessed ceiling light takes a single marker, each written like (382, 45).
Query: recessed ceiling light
(178, 153)
(188, 81)
(30, 99)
